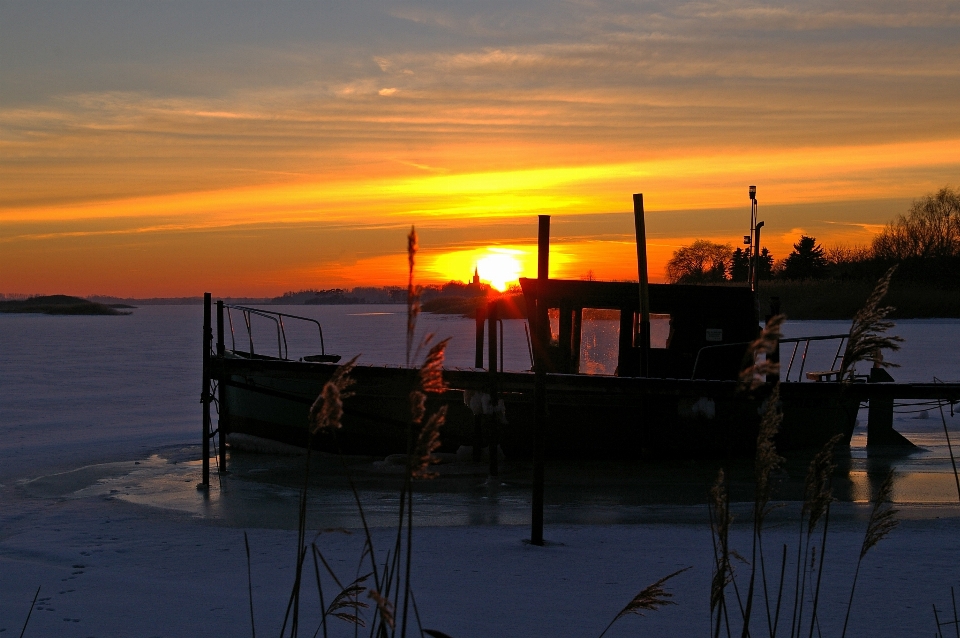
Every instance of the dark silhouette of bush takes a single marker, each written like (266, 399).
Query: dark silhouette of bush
(925, 241)
(702, 262)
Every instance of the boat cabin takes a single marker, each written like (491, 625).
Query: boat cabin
(698, 332)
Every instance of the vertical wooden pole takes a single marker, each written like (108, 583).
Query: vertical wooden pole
(756, 257)
(644, 327)
(541, 337)
(494, 395)
(205, 392)
(481, 318)
(223, 426)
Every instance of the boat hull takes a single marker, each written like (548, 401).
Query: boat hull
(588, 416)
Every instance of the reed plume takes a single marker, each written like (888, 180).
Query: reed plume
(768, 460)
(384, 607)
(867, 339)
(883, 518)
(652, 598)
(755, 373)
(429, 381)
(431, 372)
(347, 604)
(817, 490)
(327, 411)
(428, 442)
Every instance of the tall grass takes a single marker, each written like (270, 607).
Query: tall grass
(388, 584)
(814, 521)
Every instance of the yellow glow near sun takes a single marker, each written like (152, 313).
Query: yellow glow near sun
(501, 266)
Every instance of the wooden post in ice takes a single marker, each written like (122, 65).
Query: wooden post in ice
(644, 327)
(494, 395)
(223, 423)
(478, 418)
(540, 332)
(205, 392)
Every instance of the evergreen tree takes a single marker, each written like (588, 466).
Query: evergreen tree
(740, 265)
(765, 264)
(807, 261)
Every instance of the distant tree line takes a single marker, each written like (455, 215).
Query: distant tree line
(381, 295)
(925, 242)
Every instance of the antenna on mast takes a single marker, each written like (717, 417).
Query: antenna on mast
(748, 240)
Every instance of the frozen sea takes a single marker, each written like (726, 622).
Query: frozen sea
(99, 447)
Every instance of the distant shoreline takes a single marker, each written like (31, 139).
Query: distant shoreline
(801, 300)
(61, 305)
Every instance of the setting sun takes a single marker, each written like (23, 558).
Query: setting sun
(500, 268)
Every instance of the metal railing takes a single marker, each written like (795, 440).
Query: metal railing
(806, 347)
(696, 361)
(793, 355)
(277, 318)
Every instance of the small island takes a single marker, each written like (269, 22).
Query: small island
(61, 305)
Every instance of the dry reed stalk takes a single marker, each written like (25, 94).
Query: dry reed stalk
(867, 340)
(818, 495)
(720, 521)
(953, 459)
(253, 625)
(755, 373)
(883, 520)
(30, 613)
(651, 598)
(413, 293)
(766, 462)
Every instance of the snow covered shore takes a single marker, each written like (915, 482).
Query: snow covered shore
(108, 567)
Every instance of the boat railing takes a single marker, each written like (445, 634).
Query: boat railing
(834, 369)
(796, 341)
(277, 318)
(718, 346)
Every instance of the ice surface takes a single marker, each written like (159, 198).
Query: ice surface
(99, 433)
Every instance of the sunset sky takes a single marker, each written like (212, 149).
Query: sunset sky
(250, 148)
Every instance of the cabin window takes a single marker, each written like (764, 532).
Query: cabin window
(553, 314)
(659, 330)
(599, 341)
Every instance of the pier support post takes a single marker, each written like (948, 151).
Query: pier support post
(540, 332)
(205, 392)
(880, 416)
